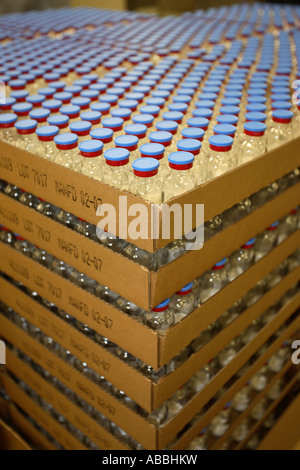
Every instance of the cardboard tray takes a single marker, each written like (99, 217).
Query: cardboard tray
(144, 343)
(205, 419)
(148, 435)
(10, 439)
(89, 427)
(271, 408)
(63, 436)
(116, 371)
(82, 195)
(285, 433)
(27, 429)
(132, 281)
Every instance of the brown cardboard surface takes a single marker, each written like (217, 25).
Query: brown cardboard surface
(272, 407)
(3, 408)
(10, 440)
(97, 314)
(204, 420)
(68, 190)
(62, 371)
(128, 420)
(241, 416)
(285, 433)
(199, 400)
(28, 430)
(40, 416)
(146, 288)
(119, 327)
(133, 383)
(71, 412)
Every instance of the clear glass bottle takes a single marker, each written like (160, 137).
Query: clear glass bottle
(46, 147)
(183, 302)
(115, 172)
(8, 131)
(160, 318)
(91, 162)
(287, 225)
(240, 260)
(81, 129)
(181, 177)
(220, 423)
(264, 195)
(26, 134)
(266, 241)
(213, 281)
(241, 400)
(146, 185)
(254, 141)
(200, 162)
(68, 154)
(281, 130)
(156, 151)
(220, 155)
(260, 380)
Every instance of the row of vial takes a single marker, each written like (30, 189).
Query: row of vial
(174, 249)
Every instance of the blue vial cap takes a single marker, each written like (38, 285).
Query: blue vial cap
(67, 138)
(47, 131)
(256, 116)
(225, 129)
(198, 122)
(48, 91)
(143, 119)
(160, 94)
(172, 116)
(280, 97)
(131, 104)
(121, 112)
(155, 101)
(149, 109)
(208, 96)
(180, 107)
(182, 98)
(230, 102)
(22, 107)
(168, 126)
(193, 133)
(39, 113)
(145, 164)
(112, 122)
(256, 107)
(52, 104)
(160, 136)
(135, 129)
(114, 91)
(181, 158)
(202, 112)
(74, 89)
(257, 99)
(235, 110)
(221, 140)
(205, 104)
(26, 124)
(109, 98)
(189, 145)
(70, 109)
(80, 101)
(101, 107)
(90, 146)
(9, 101)
(81, 82)
(80, 126)
(58, 120)
(282, 114)
(152, 149)
(8, 118)
(126, 141)
(187, 288)
(17, 83)
(90, 116)
(19, 94)
(101, 133)
(221, 263)
(62, 96)
(162, 305)
(254, 126)
(227, 119)
(250, 242)
(58, 85)
(281, 105)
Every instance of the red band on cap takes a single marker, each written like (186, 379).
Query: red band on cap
(17, 87)
(148, 124)
(22, 113)
(115, 129)
(26, 131)
(187, 166)
(165, 144)
(91, 154)
(7, 125)
(201, 127)
(41, 119)
(130, 148)
(272, 228)
(93, 121)
(254, 134)
(66, 147)
(62, 125)
(157, 157)
(46, 138)
(21, 99)
(220, 149)
(6, 106)
(294, 211)
(282, 121)
(117, 163)
(248, 246)
(200, 139)
(145, 174)
(81, 133)
(184, 292)
(71, 116)
(194, 152)
(139, 136)
(161, 309)
(217, 268)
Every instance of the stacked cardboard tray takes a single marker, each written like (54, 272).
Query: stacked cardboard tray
(146, 289)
